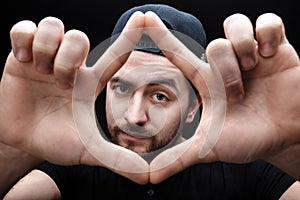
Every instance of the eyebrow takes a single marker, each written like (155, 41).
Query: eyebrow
(168, 82)
(120, 80)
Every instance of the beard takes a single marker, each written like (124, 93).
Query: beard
(150, 144)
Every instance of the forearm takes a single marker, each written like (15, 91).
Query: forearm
(14, 164)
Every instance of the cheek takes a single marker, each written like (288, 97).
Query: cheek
(115, 108)
(158, 117)
(165, 118)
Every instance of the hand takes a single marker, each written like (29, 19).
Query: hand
(260, 77)
(36, 95)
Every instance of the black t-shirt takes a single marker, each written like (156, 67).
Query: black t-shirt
(218, 180)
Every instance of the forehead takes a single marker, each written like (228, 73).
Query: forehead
(145, 67)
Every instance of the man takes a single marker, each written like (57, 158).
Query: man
(139, 110)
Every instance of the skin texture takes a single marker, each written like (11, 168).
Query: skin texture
(45, 95)
(257, 87)
(259, 75)
(158, 105)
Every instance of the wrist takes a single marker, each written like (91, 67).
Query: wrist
(14, 164)
(287, 160)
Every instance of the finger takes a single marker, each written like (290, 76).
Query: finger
(238, 29)
(70, 56)
(206, 78)
(269, 33)
(105, 153)
(209, 83)
(116, 55)
(88, 80)
(221, 55)
(46, 43)
(192, 67)
(122, 161)
(21, 35)
(171, 161)
(181, 157)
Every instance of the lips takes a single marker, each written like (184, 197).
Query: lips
(133, 136)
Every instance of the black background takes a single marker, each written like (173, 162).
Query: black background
(97, 18)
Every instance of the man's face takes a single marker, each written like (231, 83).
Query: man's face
(147, 103)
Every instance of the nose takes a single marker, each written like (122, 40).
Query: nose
(137, 110)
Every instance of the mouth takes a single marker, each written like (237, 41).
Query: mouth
(133, 136)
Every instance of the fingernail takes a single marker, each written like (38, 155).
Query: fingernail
(23, 54)
(267, 50)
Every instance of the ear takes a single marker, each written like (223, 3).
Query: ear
(193, 108)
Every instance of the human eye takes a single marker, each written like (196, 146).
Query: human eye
(160, 98)
(121, 89)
